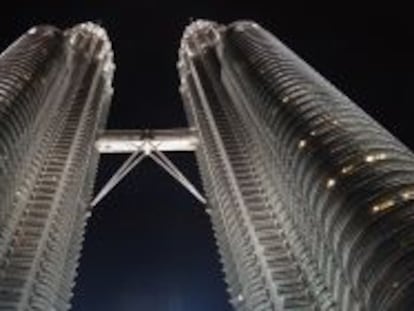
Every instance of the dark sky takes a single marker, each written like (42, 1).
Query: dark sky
(149, 245)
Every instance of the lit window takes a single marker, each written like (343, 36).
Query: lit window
(408, 195)
(375, 157)
(347, 169)
(302, 144)
(383, 206)
(330, 183)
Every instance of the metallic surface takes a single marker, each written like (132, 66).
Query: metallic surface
(128, 141)
(311, 200)
(55, 89)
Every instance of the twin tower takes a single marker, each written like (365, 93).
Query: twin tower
(311, 201)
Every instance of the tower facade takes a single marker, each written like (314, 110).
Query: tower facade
(55, 90)
(311, 200)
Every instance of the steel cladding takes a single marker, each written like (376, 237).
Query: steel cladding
(311, 200)
(55, 88)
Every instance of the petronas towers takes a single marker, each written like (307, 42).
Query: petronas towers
(310, 199)
(55, 91)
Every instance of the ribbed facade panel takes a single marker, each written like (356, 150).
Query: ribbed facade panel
(25, 69)
(310, 198)
(40, 253)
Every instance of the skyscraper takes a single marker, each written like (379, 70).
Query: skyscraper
(311, 200)
(55, 90)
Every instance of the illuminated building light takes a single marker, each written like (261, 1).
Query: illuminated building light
(383, 206)
(330, 183)
(302, 144)
(375, 157)
(347, 169)
(408, 195)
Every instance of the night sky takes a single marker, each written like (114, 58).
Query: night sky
(149, 245)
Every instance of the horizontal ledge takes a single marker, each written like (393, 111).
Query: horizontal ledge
(128, 141)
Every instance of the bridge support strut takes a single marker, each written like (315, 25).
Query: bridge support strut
(147, 144)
